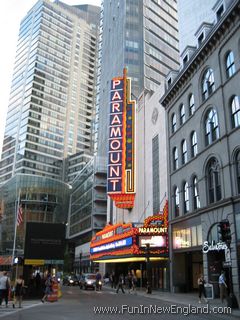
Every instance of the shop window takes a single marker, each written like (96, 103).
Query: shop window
(211, 127)
(213, 181)
(196, 200)
(237, 163)
(208, 84)
(194, 149)
(175, 158)
(186, 197)
(230, 66)
(184, 152)
(176, 202)
(182, 114)
(174, 123)
(191, 105)
(235, 111)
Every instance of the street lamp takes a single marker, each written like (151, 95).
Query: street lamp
(148, 269)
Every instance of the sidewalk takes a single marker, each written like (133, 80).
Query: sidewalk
(181, 298)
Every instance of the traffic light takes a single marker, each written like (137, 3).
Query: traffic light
(224, 231)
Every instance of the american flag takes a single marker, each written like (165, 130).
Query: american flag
(19, 214)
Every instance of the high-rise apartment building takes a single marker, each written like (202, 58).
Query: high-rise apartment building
(53, 90)
(141, 35)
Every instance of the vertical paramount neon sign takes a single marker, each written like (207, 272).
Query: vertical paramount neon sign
(121, 153)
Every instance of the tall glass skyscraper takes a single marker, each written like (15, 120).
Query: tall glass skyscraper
(53, 90)
(141, 35)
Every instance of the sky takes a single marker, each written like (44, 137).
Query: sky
(11, 14)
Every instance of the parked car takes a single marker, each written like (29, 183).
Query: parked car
(71, 280)
(87, 280)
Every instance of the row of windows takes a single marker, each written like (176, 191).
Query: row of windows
(211, 132)
(208, 87)
(213, 187)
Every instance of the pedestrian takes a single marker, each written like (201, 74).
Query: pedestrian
(113, 280)
(48, 287)
(134, 282)
(120, 283)
(4, 288)
(18, 292)
(129, 281)
(222, 286)
(201, 289)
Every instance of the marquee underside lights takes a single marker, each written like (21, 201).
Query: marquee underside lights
(121, 152)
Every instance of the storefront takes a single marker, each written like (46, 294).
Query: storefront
(187, 258)
(123, 247)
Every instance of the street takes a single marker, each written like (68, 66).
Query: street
(87, 304)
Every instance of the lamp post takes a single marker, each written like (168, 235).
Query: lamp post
(148, 269)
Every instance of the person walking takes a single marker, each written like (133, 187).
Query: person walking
(129, 281)
(48, 287)
(4, 288)
(222, 286)
(120, 283)
(201, 289)
(18, 292)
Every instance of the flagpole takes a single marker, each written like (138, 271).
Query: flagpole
(15, 230)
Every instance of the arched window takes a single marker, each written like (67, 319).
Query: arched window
(194, 149)
(175, 158)
(191, 105)
(238, 171)
(230, 66)
(208, 85)
(213, 181)
(174, 123)
(176, 202)
(184, 151)
(185, 197)
(196, 200)
(182, 114)
(211, 127)
(235, 112)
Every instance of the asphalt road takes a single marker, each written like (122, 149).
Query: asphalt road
(79, 304)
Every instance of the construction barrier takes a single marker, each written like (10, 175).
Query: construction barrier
(59, 291)
(53, 296)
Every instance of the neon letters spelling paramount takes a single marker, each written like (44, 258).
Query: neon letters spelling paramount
(121, 151)
(116, 137)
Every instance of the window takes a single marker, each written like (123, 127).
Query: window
(184, 151)
(186, 197)
(238, 171)
(155, 174)
(213, 181)
(182, 114)
(194, 144)
(174, 123)
(191, 105)
(230, 66)
(235, 111)
(176, 202)
(196, 201)
(220, 12)
(175, 158)
(211, 127)
(208, 85)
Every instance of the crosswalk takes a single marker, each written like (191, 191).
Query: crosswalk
(10, 310)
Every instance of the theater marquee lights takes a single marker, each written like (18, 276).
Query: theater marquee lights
(121, 152)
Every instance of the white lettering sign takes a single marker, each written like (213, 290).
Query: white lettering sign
(213, 247)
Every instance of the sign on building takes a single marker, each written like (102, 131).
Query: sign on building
(121, 151)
